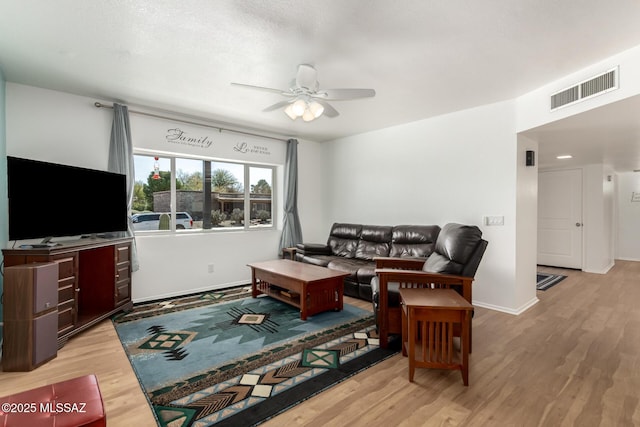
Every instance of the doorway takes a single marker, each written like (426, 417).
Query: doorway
(560, 218)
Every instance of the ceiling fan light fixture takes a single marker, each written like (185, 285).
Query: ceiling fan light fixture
(289, 112)
(316, 109)
(298, 107)
(308, 115)
(302, 91)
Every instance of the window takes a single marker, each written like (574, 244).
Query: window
(206, 194)
(260, 199)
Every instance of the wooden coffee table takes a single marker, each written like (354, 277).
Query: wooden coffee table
(311, 288)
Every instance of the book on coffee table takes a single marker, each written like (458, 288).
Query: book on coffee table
(289, 294)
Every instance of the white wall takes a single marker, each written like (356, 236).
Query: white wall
(533, 108)
(628, 238)
(458, 167)
(312, 191)
(598, 219)
(56, 127)
(64, 128)
(526, 226)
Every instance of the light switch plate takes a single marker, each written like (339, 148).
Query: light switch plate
(494, 220)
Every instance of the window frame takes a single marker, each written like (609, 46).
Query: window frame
(246, 226)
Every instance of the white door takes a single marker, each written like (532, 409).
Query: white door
(560, 218)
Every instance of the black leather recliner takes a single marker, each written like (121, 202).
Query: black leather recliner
(453, 264)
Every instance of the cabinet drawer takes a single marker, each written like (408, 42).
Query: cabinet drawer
(45, 338)
(123, 293)
(122, 273)
(122, 253)
(66, 267)
(45, 288)
(66, 293)
(66, 320)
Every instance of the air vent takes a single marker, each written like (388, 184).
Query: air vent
(565, 97)
(595, 86)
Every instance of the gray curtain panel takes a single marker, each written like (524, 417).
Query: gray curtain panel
(291, 230)
(121, 161)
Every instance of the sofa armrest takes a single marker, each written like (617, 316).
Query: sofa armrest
(421, 278)
(413, 279)
(399, 263)
(313, 249)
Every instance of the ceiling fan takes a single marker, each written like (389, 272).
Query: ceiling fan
(306, 99)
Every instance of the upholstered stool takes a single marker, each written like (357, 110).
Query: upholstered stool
(72, 403)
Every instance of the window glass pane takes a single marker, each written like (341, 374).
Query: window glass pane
(189, 194)
(209, 194)
(261, 180)
(227, 195)
(151, 193)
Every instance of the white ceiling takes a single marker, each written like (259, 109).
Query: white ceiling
(423, 58)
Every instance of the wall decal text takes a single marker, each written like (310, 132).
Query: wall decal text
(178, 136)
(243, 147)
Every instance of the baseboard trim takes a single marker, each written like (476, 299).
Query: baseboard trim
(603, 271)
(508, 310)
(184, 292)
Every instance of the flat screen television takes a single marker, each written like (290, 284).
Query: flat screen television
(53, 200)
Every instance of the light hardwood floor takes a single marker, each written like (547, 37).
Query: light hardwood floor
(573, 359)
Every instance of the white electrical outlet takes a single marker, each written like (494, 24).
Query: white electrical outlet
(211, 268)
(494, 220)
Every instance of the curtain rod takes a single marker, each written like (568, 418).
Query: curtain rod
(101, 105)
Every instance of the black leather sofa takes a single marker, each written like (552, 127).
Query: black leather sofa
(352, 248)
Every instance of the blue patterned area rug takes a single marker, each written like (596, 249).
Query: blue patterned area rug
(546, 280)
(226, 359)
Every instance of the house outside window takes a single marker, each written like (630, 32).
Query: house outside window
(207, 195)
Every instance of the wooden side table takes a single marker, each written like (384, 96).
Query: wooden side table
(429, 317)
(289, 253)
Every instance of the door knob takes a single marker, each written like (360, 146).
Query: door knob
(578, 224)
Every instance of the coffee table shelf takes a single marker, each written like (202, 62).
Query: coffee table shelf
(277, 293)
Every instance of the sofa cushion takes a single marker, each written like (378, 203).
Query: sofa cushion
(414, 241)
(454, 247)
(375, 241)
(313, 248)
(343, 239)
(348, 265)
(321, 260)
(366, 273)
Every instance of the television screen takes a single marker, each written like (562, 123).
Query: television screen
(53, 200)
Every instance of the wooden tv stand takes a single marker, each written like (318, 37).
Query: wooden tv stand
(94, 280)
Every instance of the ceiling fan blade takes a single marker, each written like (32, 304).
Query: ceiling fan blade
(278, 105)
(307, 77)
(329, 111)
(344, 94)
(264, 89)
